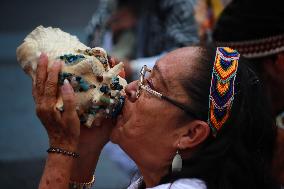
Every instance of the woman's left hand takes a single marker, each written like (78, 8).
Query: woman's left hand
(63, 128)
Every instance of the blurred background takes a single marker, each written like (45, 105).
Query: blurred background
(23, 141)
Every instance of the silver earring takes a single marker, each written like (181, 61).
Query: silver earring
(177, 162)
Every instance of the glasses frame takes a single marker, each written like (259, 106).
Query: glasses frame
(142, 86)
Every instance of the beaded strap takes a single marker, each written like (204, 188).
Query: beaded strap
(62, 151)
(82, 185)
(222, 87)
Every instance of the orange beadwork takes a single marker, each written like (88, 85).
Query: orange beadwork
(222, 87)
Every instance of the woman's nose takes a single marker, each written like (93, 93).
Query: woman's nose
(130, 91)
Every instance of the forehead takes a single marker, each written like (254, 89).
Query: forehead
(176, 63)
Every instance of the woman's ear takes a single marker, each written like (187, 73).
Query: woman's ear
(193, 134)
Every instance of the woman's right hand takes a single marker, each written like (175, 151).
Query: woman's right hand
(63, 128)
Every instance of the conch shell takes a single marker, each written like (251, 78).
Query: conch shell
(99, 89)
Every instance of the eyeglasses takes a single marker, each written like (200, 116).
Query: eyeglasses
(142, 85)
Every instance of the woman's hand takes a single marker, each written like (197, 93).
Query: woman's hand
(63, 128)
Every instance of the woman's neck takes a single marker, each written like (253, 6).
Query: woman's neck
(154, 169)
(152, 176)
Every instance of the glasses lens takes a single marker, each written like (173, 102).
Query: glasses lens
(144, 73)
(147, 74)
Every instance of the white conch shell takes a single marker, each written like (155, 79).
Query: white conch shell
(98, 88)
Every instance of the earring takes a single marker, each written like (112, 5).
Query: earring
(177, 162)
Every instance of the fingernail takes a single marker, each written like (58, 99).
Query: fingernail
(66, 82)
(66, 88)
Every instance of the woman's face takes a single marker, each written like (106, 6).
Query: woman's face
(149, 124)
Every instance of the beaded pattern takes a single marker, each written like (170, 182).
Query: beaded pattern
(62, 151)
(222, 87)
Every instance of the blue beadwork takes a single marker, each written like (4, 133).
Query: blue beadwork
(104, 89)
(94, 110)
(62, 76)
(82, 84)
(115, 84)
(71, 58)
(118, 107)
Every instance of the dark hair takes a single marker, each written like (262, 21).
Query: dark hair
(240, 156)
(272, 84)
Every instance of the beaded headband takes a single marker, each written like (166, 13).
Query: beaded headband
(222, 87)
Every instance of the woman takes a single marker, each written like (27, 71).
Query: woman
(235, 153)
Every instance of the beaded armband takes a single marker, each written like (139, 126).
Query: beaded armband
(222, 87)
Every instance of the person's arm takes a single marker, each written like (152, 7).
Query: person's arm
(63, 129)
(92, 141)
(65, 132)
(57, 172)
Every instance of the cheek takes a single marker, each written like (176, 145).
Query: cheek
(137, 125)
(146, 118)
(149, 117)
(141, 116)
(133, 125)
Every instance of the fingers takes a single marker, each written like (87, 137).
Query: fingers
(68, 98)
(50, 90)
(114, 62)
(41, 74)
(122, 73)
